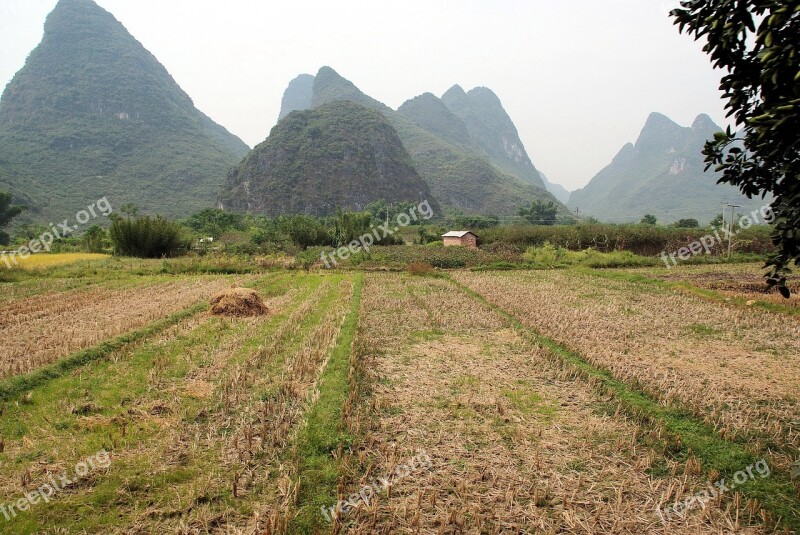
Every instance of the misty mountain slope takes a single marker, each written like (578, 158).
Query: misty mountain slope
(336, 155)
(491, 129)
(460, 175)
(662, 174)
(429, 112)
(329, 86)
(298, 95)
(93, 113)
(560, 192)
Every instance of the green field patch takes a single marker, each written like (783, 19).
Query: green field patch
(530, 403)
(427, 335)
(702, 330)
(325, 432)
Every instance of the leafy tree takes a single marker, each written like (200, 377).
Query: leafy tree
(476, 222)
(29, 231)
(8, 212)
(649, 219)
(95, 239)
(425, 236)
(755, 42)
(717, 221)
(303, 230)
(129, 209)
(540, 213)
(271, 238)
(214, 222)
(379, 210)
(687, 223)
(348, 226)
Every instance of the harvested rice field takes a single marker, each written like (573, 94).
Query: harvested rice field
(40, 261)
(736, 367)
(561, 401)
(743, 282)
(37, 330)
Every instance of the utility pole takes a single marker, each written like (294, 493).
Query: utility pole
(733, 208)
(724, 204)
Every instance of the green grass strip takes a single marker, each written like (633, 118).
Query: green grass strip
(325, 433)
(690, 288)
(15, 386)
(776, 493)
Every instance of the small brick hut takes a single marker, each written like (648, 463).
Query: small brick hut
(460, 238)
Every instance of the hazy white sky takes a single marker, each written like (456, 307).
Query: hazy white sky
(578, 77)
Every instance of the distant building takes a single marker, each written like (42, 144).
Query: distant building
(460, 238)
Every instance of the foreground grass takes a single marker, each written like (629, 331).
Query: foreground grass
(686, 436)
(172, 468)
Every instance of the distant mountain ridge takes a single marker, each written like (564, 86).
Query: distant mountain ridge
(663, 175)
(486, 173)
(93, 113)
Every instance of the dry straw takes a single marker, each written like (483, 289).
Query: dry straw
(238, 303)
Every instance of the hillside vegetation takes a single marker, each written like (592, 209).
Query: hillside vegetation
(340, 155)
(93, 114)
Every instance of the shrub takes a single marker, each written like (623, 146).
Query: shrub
(646, 240)
(146, 237)
(497, 266)
(419, 268)
(95, 239)
(444, 259)
(503, 248)
(548, 255)
(616, 259)
(687, 223)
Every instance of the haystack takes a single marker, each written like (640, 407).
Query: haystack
(238, 303)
